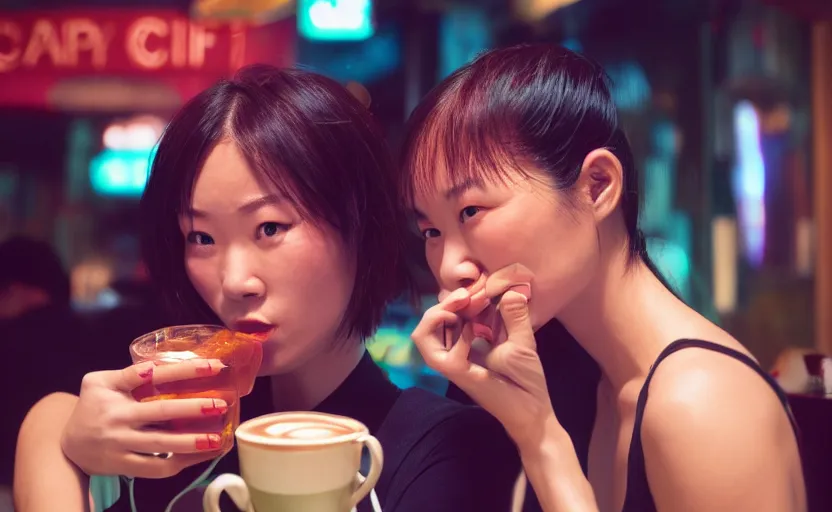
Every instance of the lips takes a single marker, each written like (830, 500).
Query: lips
(254, 327)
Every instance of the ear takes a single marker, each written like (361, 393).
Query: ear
(602, 182)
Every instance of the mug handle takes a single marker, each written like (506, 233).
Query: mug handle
(376, 463)
(236, 489)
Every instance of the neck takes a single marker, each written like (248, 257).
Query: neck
(622, 319)
(306, 387)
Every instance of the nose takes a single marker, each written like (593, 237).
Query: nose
(239, 279)
(457, 269)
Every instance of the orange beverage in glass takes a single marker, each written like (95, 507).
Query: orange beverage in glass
(240, 353)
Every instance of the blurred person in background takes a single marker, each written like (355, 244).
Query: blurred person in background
(42, 338)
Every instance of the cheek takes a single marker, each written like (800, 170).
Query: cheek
(203, 277)
(433, 255)
(561, 252)
(321, 277)
(564, 268)
(315, 281)
(515, 235)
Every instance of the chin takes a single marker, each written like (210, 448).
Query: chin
(539, 320)
(274, 366)
(281, 359)
(275, 359)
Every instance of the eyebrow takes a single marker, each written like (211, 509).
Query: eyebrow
(464, 186)
(246, 208)
(454, 192)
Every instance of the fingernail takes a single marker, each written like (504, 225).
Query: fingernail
(146, 373)
(217, 408)
(208, 442)
(205, 370)
(523, 289)
(209, 368)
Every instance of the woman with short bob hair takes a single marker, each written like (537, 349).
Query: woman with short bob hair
(270, 209)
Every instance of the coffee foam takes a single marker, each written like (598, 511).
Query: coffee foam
(293, 429)
(305, 430)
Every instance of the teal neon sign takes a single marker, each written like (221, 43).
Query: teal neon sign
(121, 172)
(335, 20)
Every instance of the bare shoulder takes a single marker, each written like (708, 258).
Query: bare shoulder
(705, 388)
(716, 433)
(44, 479)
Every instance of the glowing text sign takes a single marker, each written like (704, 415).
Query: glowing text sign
(117, 41)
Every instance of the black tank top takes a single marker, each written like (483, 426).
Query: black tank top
(638, 497)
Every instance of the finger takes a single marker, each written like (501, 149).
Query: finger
(507, 278)
(184, 370)
(480, 347)
(455, 300)
(145, 466)
(132, 377)
(454, 363)
(181, 408)
(514, 310)
(483, 385)
(518, 365)
(155, 441)
(434, 318)
(151, 372)
(430, 335)
(464, 365)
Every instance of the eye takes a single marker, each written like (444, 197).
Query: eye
(199, 238)
(270, 229)
(468, 212)
(430, 233)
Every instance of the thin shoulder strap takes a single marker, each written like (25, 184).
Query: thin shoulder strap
(638, 495)
(707, 345)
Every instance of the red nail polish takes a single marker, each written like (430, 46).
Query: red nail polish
(146, 374)
(208, 442)
(205, 371)
(214, 409)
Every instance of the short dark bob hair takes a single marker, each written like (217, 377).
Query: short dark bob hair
(319, 146)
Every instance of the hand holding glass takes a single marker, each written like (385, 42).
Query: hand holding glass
(241, 355)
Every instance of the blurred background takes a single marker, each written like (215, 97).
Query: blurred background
(728, 105)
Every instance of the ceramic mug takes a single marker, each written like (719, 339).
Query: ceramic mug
(298, 461)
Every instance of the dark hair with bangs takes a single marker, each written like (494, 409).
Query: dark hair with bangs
(319, 146)
(540, 104)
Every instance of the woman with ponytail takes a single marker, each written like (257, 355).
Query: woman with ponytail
(525, 191)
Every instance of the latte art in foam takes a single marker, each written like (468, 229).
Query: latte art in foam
(306, 430)
(295, 429)
(299, 461)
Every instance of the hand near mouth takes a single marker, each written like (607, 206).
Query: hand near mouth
(507, 379)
